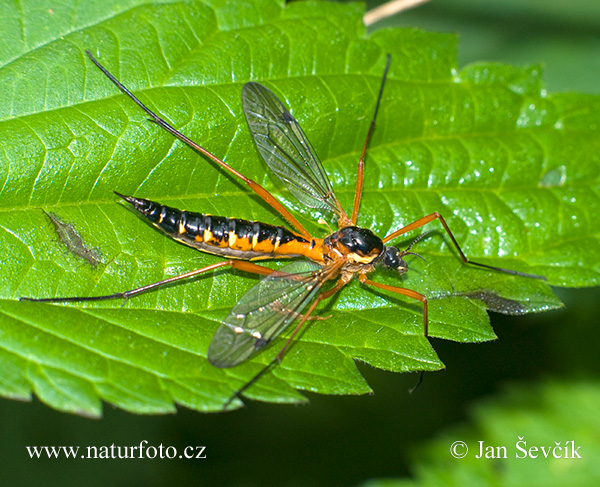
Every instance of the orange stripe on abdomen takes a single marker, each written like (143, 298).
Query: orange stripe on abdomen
(229, 237)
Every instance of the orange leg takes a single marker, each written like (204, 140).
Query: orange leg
(339, 285)
(306, 316)
(411, 294)
(405, 292)
(436, 216)
(235, 264)
(258, 189)
(360, 172)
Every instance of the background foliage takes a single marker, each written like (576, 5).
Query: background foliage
(438, 396)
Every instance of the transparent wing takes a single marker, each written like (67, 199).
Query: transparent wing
(286, 150)
(264, 312)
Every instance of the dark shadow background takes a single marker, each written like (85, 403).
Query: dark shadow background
(346, 440)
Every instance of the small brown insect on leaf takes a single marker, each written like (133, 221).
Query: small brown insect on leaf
(69, 237)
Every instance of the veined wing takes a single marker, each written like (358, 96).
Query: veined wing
(265, 311)
(286, 150)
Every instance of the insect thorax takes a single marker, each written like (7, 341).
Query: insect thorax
(358, 246)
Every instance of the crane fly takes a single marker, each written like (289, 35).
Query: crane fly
(291, 293)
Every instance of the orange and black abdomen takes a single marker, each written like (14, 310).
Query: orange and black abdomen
(228, 237)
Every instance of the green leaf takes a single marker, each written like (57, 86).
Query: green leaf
(514, 172)
(523, 420)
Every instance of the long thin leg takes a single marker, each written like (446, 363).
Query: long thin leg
(277, 360)
(411, 294)
(405, 292)
(235, 264)
(258, 189)
(360, 172)
(436, 216)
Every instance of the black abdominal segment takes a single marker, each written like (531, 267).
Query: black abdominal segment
(229, 237)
